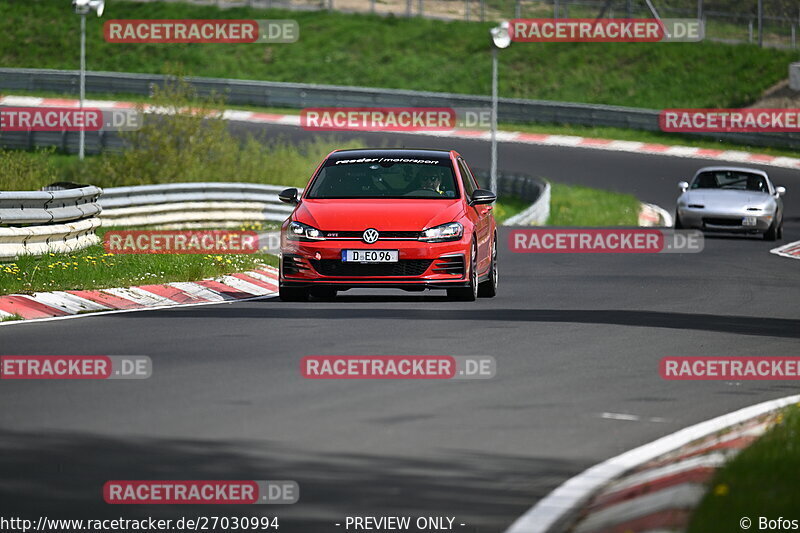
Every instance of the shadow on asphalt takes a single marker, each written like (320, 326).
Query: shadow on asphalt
(342, 309)
(61, 475)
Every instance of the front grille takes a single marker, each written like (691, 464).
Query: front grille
(715, 221)
(397, 235)
(402, 268)
(450, 265)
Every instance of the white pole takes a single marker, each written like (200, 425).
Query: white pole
(493, 172)
(83, 84)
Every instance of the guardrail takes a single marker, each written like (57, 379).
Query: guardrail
(56, 238)
(46, 207)
(534, 190)
(188, 205)
(300, 95)
(48, 221)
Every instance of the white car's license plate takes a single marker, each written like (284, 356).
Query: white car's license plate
(369, 256)
(749, 221)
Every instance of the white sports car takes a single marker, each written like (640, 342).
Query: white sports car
(731, 199)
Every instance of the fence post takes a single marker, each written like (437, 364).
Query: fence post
(408, 8)
(629, 9)
(750, 31)
(372, 6)
(466, 10)
(518, 9)
(555, 9)
(794, 37)
(483, 10)
(760, 23)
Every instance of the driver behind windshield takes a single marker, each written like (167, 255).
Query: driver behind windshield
(430, 179)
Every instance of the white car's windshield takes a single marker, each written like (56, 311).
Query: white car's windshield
(729, 179)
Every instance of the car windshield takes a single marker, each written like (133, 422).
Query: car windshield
(730, 179)
(381, 177)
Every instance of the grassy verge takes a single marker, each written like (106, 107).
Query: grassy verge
(93, 268)
(619, 134)
(417, 54)
(572, 205)
(508, 206)
(759, 482)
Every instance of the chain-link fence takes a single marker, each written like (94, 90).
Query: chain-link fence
(773, 23)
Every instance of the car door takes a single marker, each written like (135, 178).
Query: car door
(483, 216)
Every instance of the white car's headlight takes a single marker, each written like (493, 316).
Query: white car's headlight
(446, 232)
(298, 231)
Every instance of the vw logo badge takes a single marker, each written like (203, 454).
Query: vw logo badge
(371, 235)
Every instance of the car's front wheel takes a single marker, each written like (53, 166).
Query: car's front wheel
(488, 288)
(470, 292)
(773, 232)
(292, 294)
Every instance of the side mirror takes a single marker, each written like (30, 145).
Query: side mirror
(780, 191)
(482, 197)
(288, 196)
(683, 186)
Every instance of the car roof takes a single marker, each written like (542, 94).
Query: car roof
(416, 153)
(733, 169)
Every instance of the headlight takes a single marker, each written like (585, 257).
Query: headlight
(446, 232)
(303, 232)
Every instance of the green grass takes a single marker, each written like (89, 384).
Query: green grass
(507, 206)
(572, 205)
(278, 163)
(759, 482)
(93, 268)
(418, 54)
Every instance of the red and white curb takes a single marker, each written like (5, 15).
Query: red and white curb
(791, 250)
(256, 283)
(651, 215)
(502, 136)
(653, 487)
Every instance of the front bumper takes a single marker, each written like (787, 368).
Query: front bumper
(724, 221)
(420, 265)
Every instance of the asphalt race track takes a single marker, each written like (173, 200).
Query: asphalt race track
(577, 339)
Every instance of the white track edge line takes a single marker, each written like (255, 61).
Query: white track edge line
(572, 493)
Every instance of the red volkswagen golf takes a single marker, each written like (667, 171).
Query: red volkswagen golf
(407, 219)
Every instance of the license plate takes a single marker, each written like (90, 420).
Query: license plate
(369, 256)
(749, 221)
